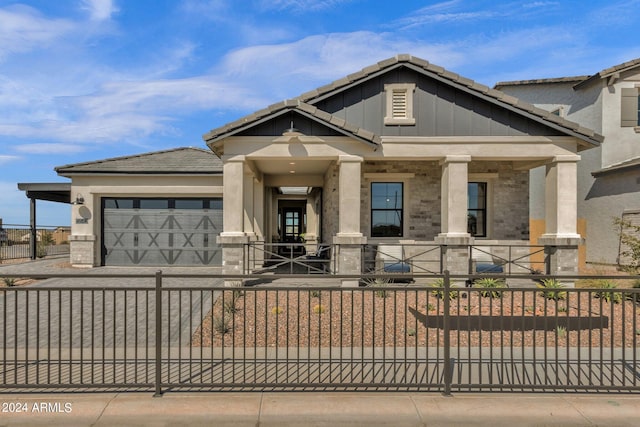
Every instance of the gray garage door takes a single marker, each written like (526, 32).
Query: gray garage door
(159, 232)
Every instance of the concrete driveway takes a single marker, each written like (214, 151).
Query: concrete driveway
(119, 310)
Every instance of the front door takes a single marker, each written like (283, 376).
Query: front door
(291, 225)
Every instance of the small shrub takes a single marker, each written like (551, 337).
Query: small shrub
(440, 292)
(561, 332)
(609, 296)
(41, 250)
(431, 307)
(489, 286)
(315, 293)
(411, 332)
(378, 283)
(552, 289)
(10, 281)
(221, 324)
(562, 309)
(230, 307)
(277, 310)
(318, 309)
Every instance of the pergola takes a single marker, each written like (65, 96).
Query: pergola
(59, 192)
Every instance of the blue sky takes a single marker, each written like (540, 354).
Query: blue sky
(83, 80)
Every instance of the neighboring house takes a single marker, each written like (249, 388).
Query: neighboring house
(402, 151)
(609, 175)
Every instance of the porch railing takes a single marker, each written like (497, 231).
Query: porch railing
(382, 258)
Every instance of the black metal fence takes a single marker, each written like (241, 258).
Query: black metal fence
(165, 332)
(16, 241)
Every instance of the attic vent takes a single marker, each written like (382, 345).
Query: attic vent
(399, 104)
(399, 107)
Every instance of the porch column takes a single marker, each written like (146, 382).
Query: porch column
(561, 238)
(248, 209)
(233, 238)
(454, 237)
(349, 239)
(258, 220)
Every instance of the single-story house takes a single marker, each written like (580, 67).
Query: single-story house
(402, 151)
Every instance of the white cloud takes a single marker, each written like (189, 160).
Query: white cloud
(301, 5)
(49, 148)
(23, 28)
(7, 158)
(99, 10)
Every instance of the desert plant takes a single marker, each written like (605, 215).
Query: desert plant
(230, 304)
(315, 293)
(440, 293)
(629, 233)
(221, 324)
(379, 282)
(552, 289)
(318, 309)
(277, 310)
(431, 307)
(561, 332)
(10, 281)
(411, 332)
(488, 286)
(608, 296)
(41, 250)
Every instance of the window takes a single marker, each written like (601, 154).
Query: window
(630, 109)
(399, 104)
(477, 209)
(386, 209)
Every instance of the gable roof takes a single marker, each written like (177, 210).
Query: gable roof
(579, 80)
(185, 160)
(308, 99)
(575, 79)
(618, 167)
(300, 107)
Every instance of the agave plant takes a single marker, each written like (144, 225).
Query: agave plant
(608, 296)
(552, 289)
(489, 286)
(440, 293)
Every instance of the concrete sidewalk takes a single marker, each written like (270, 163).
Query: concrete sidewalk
(319, 409)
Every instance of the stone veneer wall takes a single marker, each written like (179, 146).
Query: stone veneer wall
(509, 204)
(421, 193)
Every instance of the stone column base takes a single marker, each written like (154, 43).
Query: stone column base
(83, 251)
(562, 253)
(348, 248)
(455, 254)
(234, 256)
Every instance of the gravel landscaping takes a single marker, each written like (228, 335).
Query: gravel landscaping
(414, 317)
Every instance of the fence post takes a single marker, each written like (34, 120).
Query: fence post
(447, 337)
(158, 380)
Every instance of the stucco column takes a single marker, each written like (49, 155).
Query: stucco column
(561, 239)
(454, 196)
(454, 237)
(561, 201)
(233, 239)
(349, 239)
(248, 211)
(258, 220)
